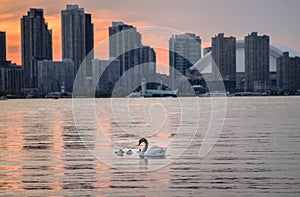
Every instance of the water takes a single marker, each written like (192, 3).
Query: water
(43, 154)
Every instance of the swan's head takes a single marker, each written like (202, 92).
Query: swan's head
(143, 140)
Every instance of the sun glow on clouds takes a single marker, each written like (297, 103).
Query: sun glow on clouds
(12, 28)
(191, 17)
(10, 23)
(101, 17)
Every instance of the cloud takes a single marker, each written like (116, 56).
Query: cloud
(205, 18)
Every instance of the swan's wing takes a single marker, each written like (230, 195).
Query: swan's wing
(156, 151)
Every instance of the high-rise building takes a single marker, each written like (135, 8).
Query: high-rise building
(288, 73)
(148, 64)
(11, 75)
(257, 63)
(224, 55)
(107, 72)
(11, 79)
(137, 61)
(124, 44)
(2, 47)
(36, 45)
(55, 76)
(77, 38)
(184, 51)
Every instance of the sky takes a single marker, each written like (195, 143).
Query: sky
(279, 19)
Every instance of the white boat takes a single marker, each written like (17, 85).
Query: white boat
(135, 95)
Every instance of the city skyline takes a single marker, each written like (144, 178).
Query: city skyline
(275, 19)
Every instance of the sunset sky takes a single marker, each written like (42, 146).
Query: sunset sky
(277, 18)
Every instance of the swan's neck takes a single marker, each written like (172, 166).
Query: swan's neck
(146, 146)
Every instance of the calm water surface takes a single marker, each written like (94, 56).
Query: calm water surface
(44, 153)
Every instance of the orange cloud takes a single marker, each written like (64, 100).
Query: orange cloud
(10, 23)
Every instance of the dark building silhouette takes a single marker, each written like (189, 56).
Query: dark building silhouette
(36, 45)
(107, 72)
(124, 40)
(148, 64)
(137, 62)
(224, 55)
(257, 65)
(11, 79)
(55, 76)
(11, 75)
(77, 37)
(288, 73)
(2, 47)
(184, 51)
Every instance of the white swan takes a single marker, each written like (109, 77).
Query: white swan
(154, 151)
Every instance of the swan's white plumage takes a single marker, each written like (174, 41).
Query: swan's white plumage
(154, 151)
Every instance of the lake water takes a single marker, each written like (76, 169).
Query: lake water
(64, 148)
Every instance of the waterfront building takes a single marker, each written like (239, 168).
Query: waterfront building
(137, 62)
(107, 73)
(77, 38)
(55, 76)
(11, 79)
(184, 51)
(224, 55)
(257, 62)
(147, 70)
(288, 73)
(2, 47)
(11, 75)
(36, 41)
(124, 45)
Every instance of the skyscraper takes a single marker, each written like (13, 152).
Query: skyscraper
(288, 73)
(257, 64)
(124, 44)
(139, 61)
(2, 47)
(77, 37)
(36, 45)
(148, 61)
(224, 55)
(184, 51)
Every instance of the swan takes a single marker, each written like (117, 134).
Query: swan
(154, 151)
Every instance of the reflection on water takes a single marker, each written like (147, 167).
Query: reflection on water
(42, 154)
